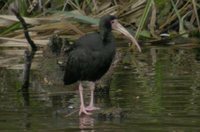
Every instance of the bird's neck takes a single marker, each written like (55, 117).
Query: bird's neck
(106, 35)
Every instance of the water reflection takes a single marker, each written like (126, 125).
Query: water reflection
(26, 120)
(86, 123)
(158, 90)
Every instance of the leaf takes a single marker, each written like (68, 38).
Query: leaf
(145, 33)
(144, 17)
(181, 24)
(131, 8)
(104, 6)
(5, 23)
(12, 42)
(196, 13)
(78, 17)
(152, 24)
(111, 10)
(11, 28)
(13, 18)
(57, 26)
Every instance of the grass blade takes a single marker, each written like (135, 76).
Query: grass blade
(196, 13)
(144, 17)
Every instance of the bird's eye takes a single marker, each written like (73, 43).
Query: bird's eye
(112, 22)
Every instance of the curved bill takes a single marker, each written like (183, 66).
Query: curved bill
(117, 26)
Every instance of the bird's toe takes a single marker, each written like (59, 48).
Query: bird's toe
(84, 111)
(91, 108)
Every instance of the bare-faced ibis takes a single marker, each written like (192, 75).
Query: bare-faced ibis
(91, 57)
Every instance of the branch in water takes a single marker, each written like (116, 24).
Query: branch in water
(26, 33)
(29, 55)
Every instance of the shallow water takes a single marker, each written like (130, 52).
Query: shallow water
(158, 90)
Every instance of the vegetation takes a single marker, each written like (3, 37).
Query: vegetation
(149, 17)
(148, 20)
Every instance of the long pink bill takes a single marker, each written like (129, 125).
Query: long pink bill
(118, 27)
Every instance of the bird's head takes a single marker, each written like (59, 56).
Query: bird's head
(110, 22)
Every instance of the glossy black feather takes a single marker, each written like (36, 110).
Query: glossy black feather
(91, 56)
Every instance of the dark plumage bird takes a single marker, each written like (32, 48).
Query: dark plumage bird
(91, 57)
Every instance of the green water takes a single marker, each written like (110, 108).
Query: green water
(158, 90)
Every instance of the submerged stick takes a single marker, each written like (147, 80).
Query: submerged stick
(29, 55)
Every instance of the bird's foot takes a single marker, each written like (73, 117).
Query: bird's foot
(84, 111)
(91, 108)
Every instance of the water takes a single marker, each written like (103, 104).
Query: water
(158, 90)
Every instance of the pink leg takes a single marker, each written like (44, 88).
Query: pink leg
(82, 107)
(91, 106)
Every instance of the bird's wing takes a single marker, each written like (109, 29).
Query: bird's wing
(81, 64)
